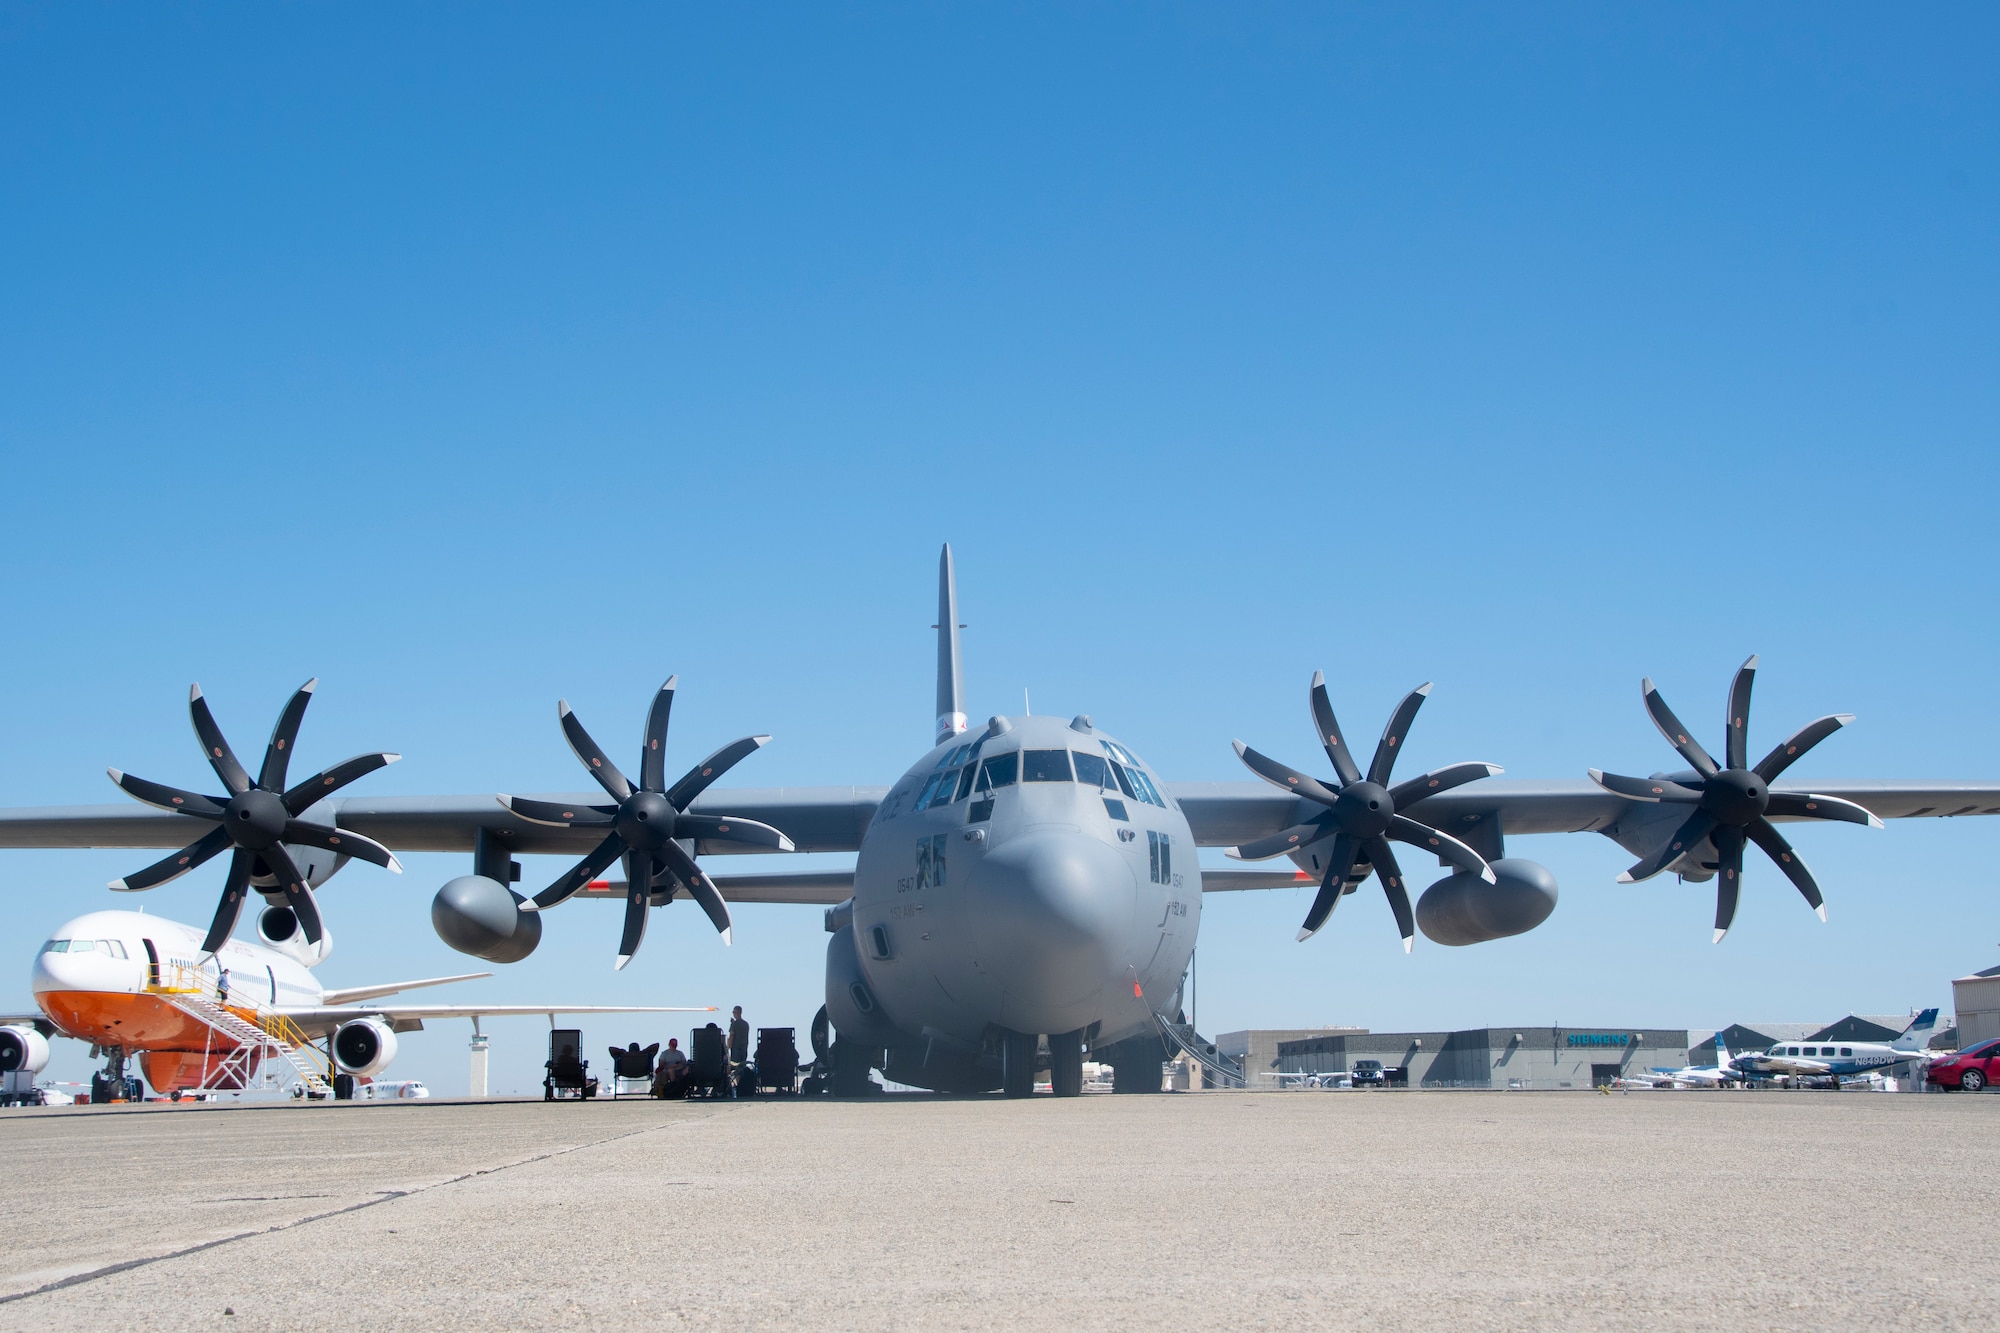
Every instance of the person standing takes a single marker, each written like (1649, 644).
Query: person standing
(739, 1038)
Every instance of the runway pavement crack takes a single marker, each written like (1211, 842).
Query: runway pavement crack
(384, 1196)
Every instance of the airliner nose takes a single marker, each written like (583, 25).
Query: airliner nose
(1053, 913)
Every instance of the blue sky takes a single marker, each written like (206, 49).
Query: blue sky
(469, 357)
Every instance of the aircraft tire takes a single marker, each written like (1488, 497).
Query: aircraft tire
(1974, 1081)
(1017, 1064)
(850, 1069)
(1066, 1063)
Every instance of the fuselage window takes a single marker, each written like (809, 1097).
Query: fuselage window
(1160, 850)
(930, 862)
(1092, 771)
(1116, 809)
(1847, 1050)
(1045, 766)
(999, 771)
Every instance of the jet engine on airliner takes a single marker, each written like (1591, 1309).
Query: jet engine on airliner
(483, 917)
(1465, 909)
(279, 928)
(22, 1049)
(364, 1046)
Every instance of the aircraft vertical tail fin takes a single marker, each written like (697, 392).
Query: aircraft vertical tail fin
(950, 674)
(1920, 1030)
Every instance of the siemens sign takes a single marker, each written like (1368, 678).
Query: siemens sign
(1598, 1039)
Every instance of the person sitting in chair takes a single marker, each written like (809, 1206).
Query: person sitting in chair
(633, 1062)
(670, 1075)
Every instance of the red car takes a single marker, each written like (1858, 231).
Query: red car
(1973, 1068)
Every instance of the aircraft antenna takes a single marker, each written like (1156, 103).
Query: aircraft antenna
(950, 673)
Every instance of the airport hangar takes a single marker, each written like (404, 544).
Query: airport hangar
(1510, 1057)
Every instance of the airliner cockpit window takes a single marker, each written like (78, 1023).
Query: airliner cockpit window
(1092, 771)
(1045, 766)
(56, 946)
(999, 771)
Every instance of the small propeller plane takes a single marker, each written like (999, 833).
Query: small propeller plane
(1028, 879)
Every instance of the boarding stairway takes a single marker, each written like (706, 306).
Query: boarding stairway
(255, 1044)
(1221, 1070)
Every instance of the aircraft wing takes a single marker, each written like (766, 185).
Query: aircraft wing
(324, 1018)
(817, 819)
(821, 888)
(1228, 814)
(353, 994)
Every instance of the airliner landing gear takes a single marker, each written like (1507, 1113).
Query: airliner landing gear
(1017, 1063)
(112, 1084)
(1066, 1063)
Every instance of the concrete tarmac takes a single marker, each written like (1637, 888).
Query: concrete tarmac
(1316, 1209)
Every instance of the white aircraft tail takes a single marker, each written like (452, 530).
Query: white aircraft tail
(1920, 1030)
(950, 674)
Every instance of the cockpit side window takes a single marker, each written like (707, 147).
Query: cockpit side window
(1001, 770)
(1124, 777)
(1045, 766)
(56, 946)
(1092, 771)
(965, 777)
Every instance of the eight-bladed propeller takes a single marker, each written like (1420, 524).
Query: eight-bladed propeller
(646, 821)
(257, 819)
(1361, 813)
(1734, 799)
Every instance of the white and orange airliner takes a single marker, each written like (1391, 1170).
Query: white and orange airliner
(132, 984)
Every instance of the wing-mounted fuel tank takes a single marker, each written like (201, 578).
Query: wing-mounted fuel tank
(1464, 909)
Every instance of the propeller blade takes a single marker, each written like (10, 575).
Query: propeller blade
(1391, 876)
(1339, 861)
(1811, 734)
(728, 828)
(167, 798)
(1286, 840)
(697, 779)
(234, 890)
(330, 780)
(220, 757)
(1283, 778)
(1728, 872)
(591, 755)
(1440, 779)
(580, 874)
(1441, 845)
(1395, 734)
(1645, 789)
(278, 754)
(700, 887)
(653, 762)
(344, 841)
(1811, 805)
(298, 893)
(638, 898)
(173, 867)
(1677, 735)
(557, 815)
(1686, 836)
(1765, 835)
(1330, 734)
(1736, 742)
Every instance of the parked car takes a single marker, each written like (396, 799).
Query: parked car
(1971, 1069)
(1368, 1074)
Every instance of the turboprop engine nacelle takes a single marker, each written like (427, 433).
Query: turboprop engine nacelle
(364, 1046)
(278, 926)
(23, 1050)
(483, 917)
(1465, 909)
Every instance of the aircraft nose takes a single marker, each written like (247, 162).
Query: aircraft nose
(1052, 911)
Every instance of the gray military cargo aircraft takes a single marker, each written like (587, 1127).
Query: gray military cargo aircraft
(1031, 879)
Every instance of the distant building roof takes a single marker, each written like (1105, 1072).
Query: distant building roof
(1862, 1027)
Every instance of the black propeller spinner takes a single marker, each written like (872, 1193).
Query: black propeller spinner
(646, 821)
(1361, 815)
(257, 819)
(1734, 799)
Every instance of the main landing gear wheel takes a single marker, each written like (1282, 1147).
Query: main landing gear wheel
(1974, 1081)
(1066, 1063)
(850, 1069)
(1017, 1063)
